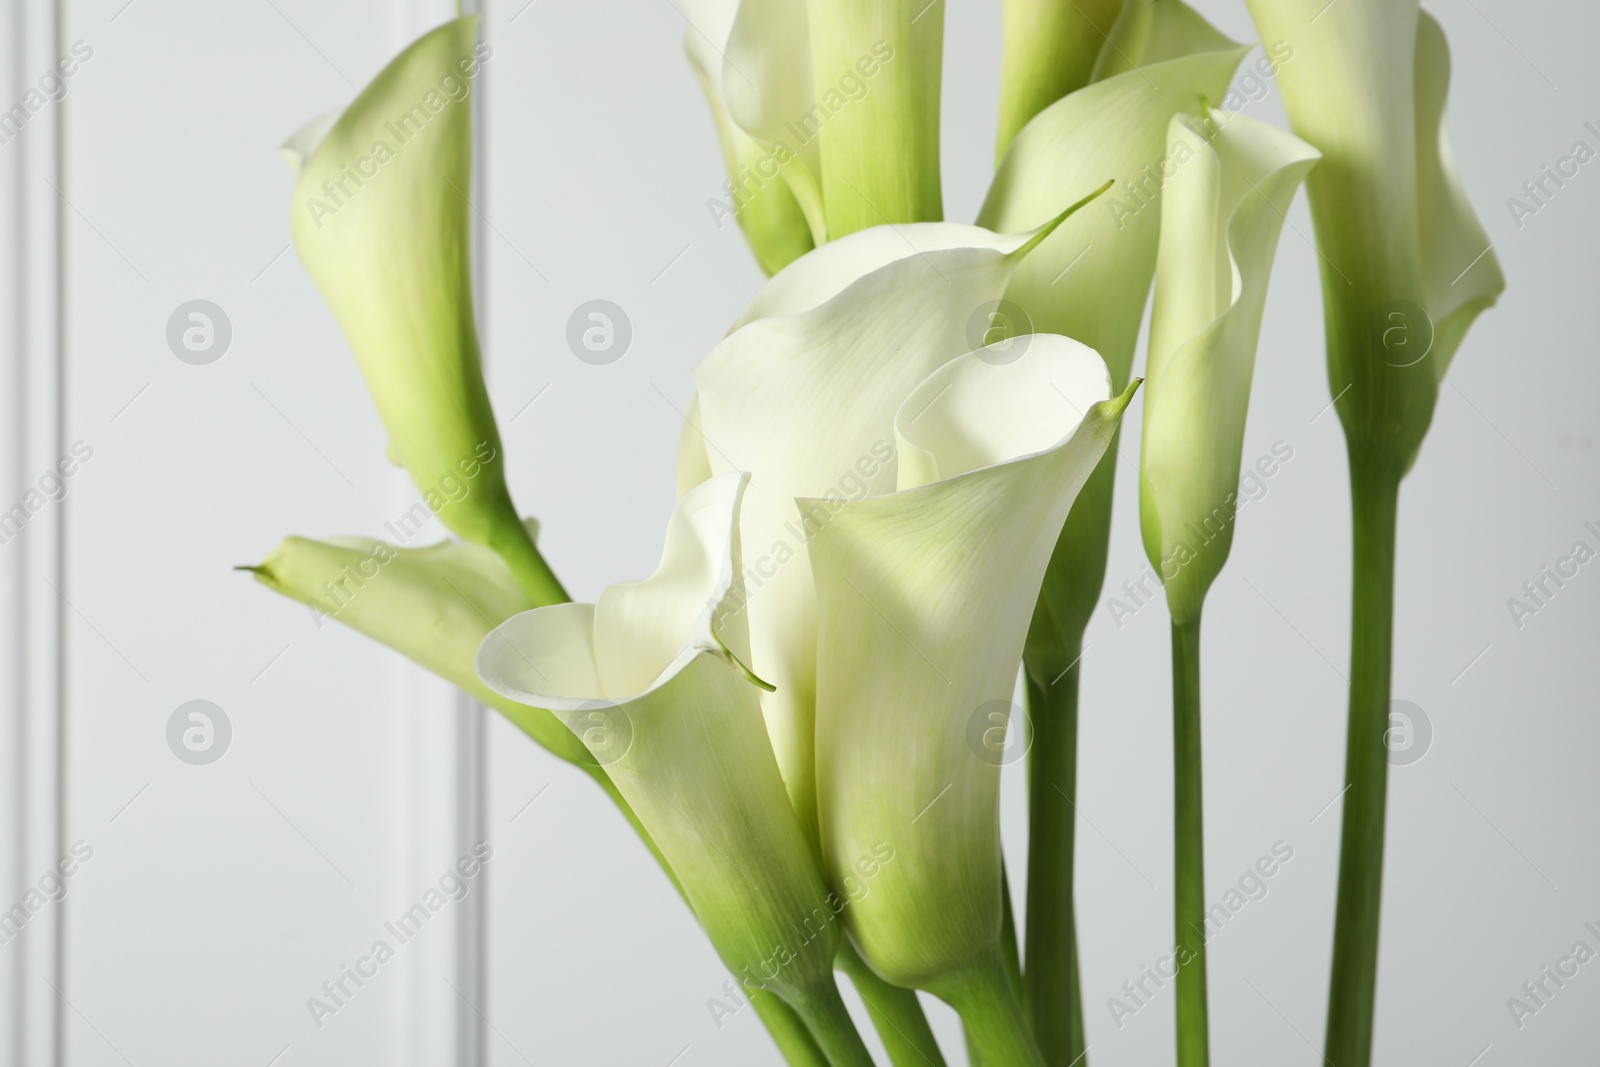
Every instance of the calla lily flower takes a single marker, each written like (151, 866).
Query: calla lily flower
(736, 72)
(1091, 279)
(1406, 268)
(652, 678)
(802, 394)
(1222, 212)
(923, 600)
(1406, 265)
(1088, 282)
(380, 219)
(840, 98)
(434, 605)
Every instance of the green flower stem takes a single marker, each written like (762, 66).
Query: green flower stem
(1051, 994)
(995, 1025)
(829, 1022)
(1009, 952)
(788, 1030)
(1010, 955)
(533, 574)
(1374, 500)
(880, 151)
(515, 545)
(896, 1013)
(1049, 51)
(1055, 644)
(1189, 897)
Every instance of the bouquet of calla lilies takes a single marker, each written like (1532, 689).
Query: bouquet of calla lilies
(895, 480)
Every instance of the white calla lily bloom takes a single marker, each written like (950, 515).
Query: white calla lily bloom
(650, 678)
(924, 596)
(802, 394)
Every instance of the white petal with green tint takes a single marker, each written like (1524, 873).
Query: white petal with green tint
(645, 677)
(380, 219)
(1090, 279)
(760, 200)
(802, 394)
(1222, 212)
(923, 600)
(1461, 275)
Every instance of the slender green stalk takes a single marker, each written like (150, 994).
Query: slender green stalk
(788, 1031)
(1189, 871)
(1374, 500)
(880, 149)
(529, 568)
(1009, 953)
(1051, 994)
(1052, 660)
(829, 1022)
(995, 1025)
(896, 1013)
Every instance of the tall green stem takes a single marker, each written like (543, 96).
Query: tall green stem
(1051, 993)
(829, 1022)
(789, 1032)
(995, 1025)
(1189, 873)
(896, 1013)
(1374, 501)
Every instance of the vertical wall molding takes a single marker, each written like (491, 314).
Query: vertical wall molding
(32, 572)
(447, 745)
(472, 764)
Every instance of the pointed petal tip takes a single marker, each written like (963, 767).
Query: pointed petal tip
(1049, 228)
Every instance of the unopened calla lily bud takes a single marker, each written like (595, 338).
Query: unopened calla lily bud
(1222, 212)
(924, 596)
(653, 679)
(380, 219)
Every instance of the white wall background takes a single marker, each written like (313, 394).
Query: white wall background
(220, 897)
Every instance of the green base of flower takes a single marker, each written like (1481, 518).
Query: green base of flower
(996, 1029)
(896, 1013)
(830, 1024)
